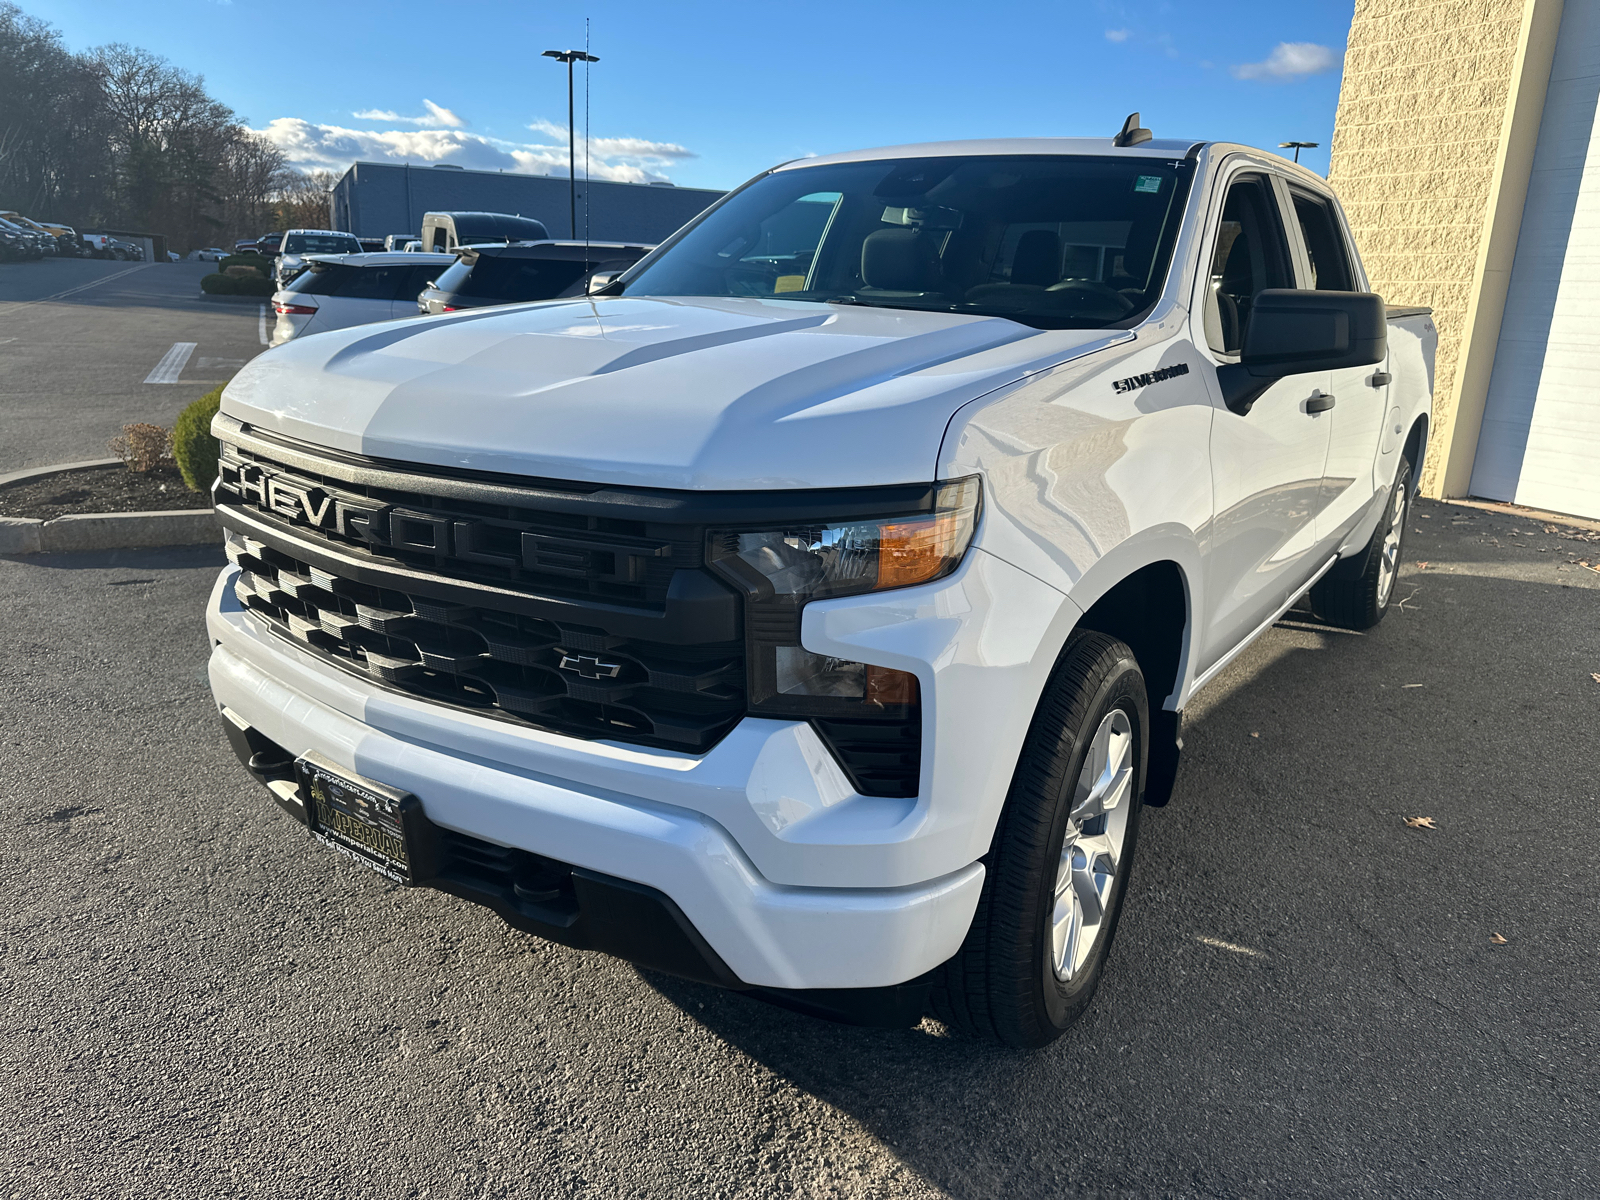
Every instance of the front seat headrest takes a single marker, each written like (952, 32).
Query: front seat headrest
(1037, 258)
(899, 260)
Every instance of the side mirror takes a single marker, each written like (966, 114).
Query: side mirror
(1293, 332)
(601, 280)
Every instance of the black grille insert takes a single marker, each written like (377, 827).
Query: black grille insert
(571, 679)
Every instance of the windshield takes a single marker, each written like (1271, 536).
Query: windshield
(321, 243)
(1052, 241)
(510, 280)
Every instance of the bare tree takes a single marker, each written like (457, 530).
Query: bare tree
(303, 201)
(120, 137)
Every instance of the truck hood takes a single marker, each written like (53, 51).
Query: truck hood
(672, 393)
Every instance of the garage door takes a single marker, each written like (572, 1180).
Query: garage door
(1540, 443)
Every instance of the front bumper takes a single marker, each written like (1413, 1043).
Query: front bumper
(792, 880)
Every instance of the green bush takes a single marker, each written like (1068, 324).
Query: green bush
(192, 443)
(217, 285)
(259, 262)
(251, 285)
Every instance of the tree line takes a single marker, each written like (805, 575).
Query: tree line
(119, 138)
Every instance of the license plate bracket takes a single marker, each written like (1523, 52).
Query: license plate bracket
(380, 827)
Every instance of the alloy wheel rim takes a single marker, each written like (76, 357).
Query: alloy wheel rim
(1091, 853)
(1389, 566)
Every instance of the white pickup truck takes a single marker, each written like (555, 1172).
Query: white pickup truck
(812, 611)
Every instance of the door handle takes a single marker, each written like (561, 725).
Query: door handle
(1379, 379)
(1318, 401)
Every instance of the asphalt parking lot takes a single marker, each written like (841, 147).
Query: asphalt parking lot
(80, 337)
(1306, 996)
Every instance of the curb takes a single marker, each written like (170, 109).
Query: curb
(28, 473)
(109, 531)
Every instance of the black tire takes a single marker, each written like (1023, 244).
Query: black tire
(1002, 986)
(1357, 594)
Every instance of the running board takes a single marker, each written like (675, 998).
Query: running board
(1294, 598)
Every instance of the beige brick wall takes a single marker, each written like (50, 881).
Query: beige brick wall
(1425, 98)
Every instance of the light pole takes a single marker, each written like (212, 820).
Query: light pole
(1298, 146)
(569, 57)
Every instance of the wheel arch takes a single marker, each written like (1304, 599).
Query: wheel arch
(1149, 600)
(1416, 446)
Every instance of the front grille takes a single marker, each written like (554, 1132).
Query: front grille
(584, 610)
(567, 678)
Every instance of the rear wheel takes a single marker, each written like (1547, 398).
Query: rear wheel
(1359, 601)
(1058, 868)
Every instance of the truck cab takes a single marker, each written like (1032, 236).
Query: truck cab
(812, 610)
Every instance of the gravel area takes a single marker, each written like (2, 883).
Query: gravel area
(99, 490)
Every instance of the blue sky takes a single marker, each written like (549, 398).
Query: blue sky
(707, 94)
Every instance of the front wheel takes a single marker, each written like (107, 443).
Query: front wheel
(1359, 601)
(1058, 868)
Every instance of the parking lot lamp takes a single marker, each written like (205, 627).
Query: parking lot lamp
(1298, 146)
(569, 57)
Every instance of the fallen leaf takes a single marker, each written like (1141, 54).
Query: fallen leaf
(1498, 940)
(1256, 735)
(1406, 685)
(1420, 823)
(1423, 565)
(1595, 675)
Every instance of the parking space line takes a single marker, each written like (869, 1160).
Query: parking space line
(261, 325)
(172, 363)
(92, 283)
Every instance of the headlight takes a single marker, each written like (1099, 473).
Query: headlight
(782, 569)
(817, 561)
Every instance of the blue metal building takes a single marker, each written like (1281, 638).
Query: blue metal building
(377, 199)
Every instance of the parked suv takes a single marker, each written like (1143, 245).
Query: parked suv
(487, 275)
(353, 289)
(812, 611)
(297, 243)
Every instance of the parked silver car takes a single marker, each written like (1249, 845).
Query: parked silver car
(338, 291)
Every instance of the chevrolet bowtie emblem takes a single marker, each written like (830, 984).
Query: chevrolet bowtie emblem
(589, 666)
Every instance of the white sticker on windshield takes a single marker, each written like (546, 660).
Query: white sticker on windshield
(1147, 183)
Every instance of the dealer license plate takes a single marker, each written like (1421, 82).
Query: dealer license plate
(380, 827)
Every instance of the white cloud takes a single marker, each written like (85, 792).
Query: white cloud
(1118, 35)
(438, 114)
(311, 147)
(1290, 60)
(443, 115)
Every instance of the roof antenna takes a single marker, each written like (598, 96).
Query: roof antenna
(1132, 134)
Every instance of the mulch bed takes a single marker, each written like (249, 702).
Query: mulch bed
(99, 490)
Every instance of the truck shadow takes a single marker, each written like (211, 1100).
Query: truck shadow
(1297, 971)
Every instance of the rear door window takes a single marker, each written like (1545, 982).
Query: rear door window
(1325, 248)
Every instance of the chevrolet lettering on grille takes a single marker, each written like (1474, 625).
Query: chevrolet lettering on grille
(441, 535)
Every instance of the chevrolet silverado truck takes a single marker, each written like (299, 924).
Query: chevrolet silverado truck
(811, 611)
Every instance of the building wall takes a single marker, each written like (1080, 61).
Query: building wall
(377, 199)
(1422, 109)
(1540, 440)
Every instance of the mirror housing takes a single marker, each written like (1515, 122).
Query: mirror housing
(1293, 332)
(601, 280)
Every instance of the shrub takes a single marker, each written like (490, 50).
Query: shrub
(253, 285)
(243, 271)
(217, 285)
(143, 447)
(192, 443)
(259, 262)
